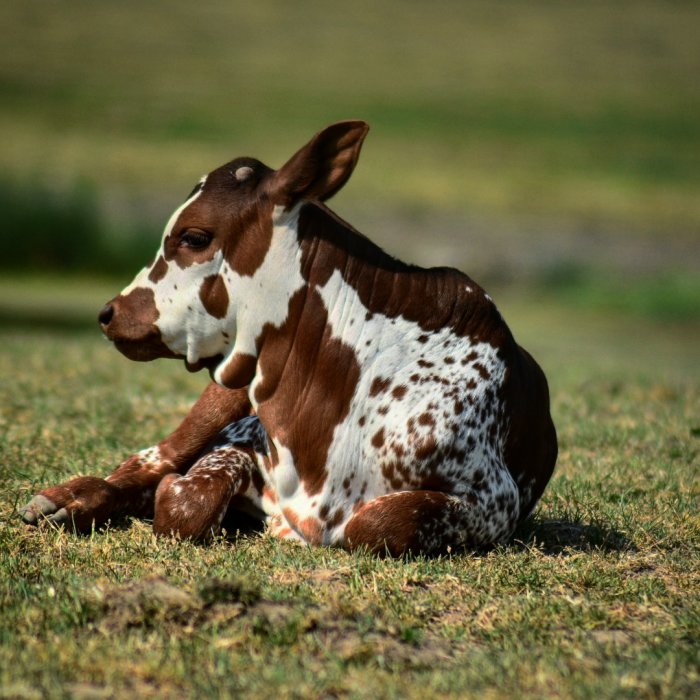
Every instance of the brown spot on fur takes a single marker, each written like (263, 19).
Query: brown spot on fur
(435, 482)
(426, 363)
(379, 386)
(378, 439)
(214, 296)
(389, 472)
(398, 449)
(483, 372)
(336, 519)
(158, 270)
(311, 530)
(398, 392)
(426, 419)
(426, 447)
(470, 357)
(291, 517)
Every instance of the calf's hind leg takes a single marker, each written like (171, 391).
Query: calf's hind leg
(192, 506)
(427, 522)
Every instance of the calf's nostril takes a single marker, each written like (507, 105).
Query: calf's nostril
(106, 315)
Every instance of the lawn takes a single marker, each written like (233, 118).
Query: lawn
(595, 597)
(552, 150)
(575, 113)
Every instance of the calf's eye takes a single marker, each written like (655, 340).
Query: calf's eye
(195, 239)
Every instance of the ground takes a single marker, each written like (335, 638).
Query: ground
(592, 597)
(549, 149)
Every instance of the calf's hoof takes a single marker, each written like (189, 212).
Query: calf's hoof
(81, 503)
(41, 507)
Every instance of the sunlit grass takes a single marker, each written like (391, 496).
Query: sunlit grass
(594, 598)
(489, 120)
(500, 110)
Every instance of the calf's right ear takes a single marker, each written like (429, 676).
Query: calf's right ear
(319, 169)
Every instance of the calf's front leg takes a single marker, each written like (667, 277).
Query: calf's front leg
(193, 506)
(87, 501)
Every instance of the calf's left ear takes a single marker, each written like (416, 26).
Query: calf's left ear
(319, 169)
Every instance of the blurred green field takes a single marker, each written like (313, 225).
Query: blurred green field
(567, 129)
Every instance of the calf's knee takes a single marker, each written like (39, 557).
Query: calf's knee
(189, 507)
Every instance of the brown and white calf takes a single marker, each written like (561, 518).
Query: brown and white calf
(357, 400)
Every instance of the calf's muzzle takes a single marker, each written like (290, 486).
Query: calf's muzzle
(105, 315)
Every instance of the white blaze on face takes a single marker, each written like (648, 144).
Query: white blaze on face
(186, 327)
(141, 279)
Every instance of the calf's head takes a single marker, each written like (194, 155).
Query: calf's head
(227, 258)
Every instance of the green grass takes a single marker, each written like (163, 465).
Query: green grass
(594, 598)
(665, 296)
(65, 230)
(576, 111)
(554, 142)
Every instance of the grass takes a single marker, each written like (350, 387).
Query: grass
(594, 597)
(66, 230)
(575, 111)
(553, 142)
(669, 296)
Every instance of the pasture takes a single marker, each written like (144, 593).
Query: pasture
(545, 131)
(594, 597)
(552, 151)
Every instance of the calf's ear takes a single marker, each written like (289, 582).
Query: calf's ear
(319, 169)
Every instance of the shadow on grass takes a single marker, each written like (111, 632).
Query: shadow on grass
(555, 536)
(552, 537)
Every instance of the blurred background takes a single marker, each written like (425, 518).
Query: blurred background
(551, 150)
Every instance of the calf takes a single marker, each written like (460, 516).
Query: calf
(357, 400)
